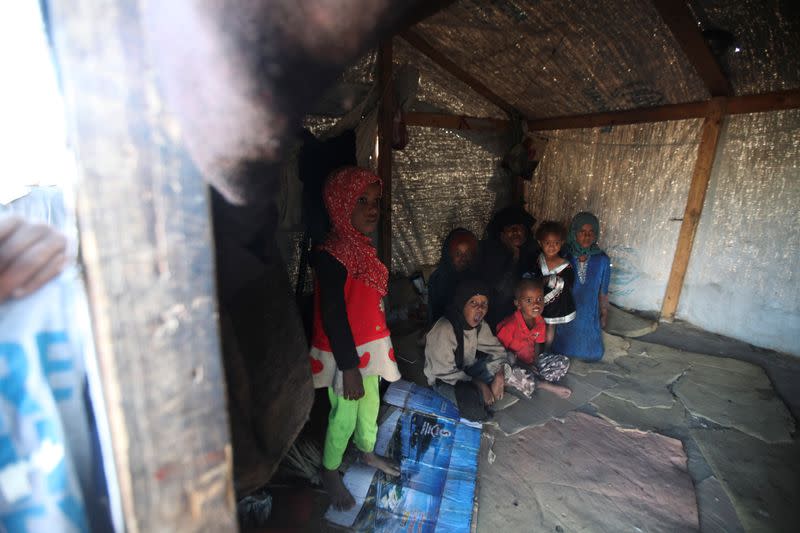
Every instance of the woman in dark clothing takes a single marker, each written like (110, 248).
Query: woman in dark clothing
(458, 253)
(508, 252)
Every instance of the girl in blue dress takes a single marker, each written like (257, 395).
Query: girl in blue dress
(582, 338)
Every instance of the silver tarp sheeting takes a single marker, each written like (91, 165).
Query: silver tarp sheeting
(552, 58)
(763, 56)
(742, 279)
(442, 180)
(635, 179)
(440, 91)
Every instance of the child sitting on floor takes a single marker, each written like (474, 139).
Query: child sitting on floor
(557, 278)
(350, 345)
(463, 359)
(523, 333)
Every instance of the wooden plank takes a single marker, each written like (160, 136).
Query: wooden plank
(385, 116)
(679, 19)
(415, 40)
(735, 105)
(709, 138)
(455, 122)
(758, 103)
(616, 118)
(147, 250)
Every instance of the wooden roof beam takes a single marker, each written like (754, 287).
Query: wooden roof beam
(418, 42)
(735, 105)
(615, 118)
(455, 122)
(678, 18)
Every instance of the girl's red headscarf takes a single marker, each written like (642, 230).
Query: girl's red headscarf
(349, 246)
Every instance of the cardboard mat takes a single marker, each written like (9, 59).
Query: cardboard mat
(438, 454)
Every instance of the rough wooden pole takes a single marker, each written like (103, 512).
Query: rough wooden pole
(385, 116)
(147, 249)
(709, 137)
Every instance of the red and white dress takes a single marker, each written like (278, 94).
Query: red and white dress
(365, 314)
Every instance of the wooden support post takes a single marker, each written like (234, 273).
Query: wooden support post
(385, 117)
(709, 138)
(147, 250)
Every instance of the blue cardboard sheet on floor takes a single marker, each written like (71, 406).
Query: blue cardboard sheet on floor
(438, 454)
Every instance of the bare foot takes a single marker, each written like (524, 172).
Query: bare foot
(384, 464)
(559, 390)
(498, 385)
(486, 392)
(341, 498)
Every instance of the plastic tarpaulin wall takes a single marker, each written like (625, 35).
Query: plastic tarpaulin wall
(635, 179)
(763, 56)
(742, 279)
(443, 179)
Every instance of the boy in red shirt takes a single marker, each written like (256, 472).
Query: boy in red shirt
(524, 332)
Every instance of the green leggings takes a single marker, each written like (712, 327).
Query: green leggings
(348, 416)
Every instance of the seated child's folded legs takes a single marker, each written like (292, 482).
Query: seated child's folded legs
(478, 370)
(446, 390)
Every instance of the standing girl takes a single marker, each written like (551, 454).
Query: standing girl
(350, 345)
(583, 338)
(557, 276)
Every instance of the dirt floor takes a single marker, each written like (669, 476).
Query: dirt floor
(676, 430)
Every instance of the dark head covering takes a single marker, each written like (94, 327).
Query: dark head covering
(578, 221)
(497, 264)
(455, 237)
(445, 278)
(509, 216)
(344, 242)
(455, 313)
